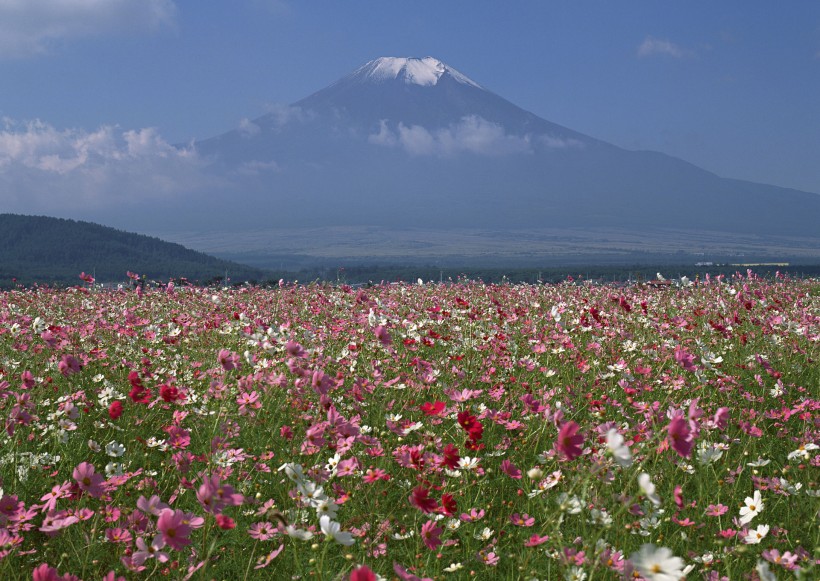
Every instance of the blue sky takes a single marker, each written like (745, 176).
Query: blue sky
(731, 86)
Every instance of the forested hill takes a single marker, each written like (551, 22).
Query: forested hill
(54, 251)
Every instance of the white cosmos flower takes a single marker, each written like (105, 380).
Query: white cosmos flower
(756, 535)
(764, 571)
(293, 471)
(620, 451)
(658, 564)
(645, 482)
(803, 451)
(333, 530)
(300, 534)
(114, 449)
(328, 507)
(453, 566)
(752, 507)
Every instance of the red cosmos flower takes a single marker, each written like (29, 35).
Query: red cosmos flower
(448, 505)
(569, 440)
(169, 393)
(225, 522)
(115, 410)
(139, 393)
(471, 425)
(433, 409)
(420, 498)
(362, 573)
(451, 457)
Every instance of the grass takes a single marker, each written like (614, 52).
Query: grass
(433, 423)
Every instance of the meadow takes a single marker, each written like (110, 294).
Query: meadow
(425, 431)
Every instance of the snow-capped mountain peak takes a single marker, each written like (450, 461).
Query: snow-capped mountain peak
(414, 71)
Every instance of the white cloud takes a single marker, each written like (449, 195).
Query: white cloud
(656, 46)
(45, 169)
(248, 128)
(281, 114)
(472, 134)
(256, 167)
(29, 27)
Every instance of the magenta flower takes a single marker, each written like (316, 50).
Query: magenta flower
(383, 335)
(174, 528)
(569, 440)
(88, 480)
(510, 469)
(228, 359)
(680, 436)
(68, 365)
(685, 359)
(430, 534)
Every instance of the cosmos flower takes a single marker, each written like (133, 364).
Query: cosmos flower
(751, 508)
(658, 564)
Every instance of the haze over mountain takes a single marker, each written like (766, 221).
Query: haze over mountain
(414, 143)
(408, 158)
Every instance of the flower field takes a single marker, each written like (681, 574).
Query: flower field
(447, 431)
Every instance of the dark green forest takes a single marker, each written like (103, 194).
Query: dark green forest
(54, 251)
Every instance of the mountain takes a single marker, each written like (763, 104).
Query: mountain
(407, 143)
(55, 250)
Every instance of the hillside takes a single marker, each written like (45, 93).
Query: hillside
(54, 251)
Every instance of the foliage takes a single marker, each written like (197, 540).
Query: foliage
(54, 250)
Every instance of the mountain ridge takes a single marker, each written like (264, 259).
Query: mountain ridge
(401, 151)
(56, 250)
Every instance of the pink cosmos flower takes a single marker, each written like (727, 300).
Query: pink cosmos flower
(153, 505)
(510, 469)
(685, 359)
(172, 524)
(677, 495)
(430, 534)
(569, 441)
(263, 562)
(524, 520)
(145, 551)
(535, 540)
(57, 491)
(228, 360)
(383, 335)
(716, 509)
(680, 436)
(405, 575)
(294, 349)
(262, 531)
(69, 365)
(88, 480)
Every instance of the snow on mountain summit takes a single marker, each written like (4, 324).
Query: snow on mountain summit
(414, 71)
